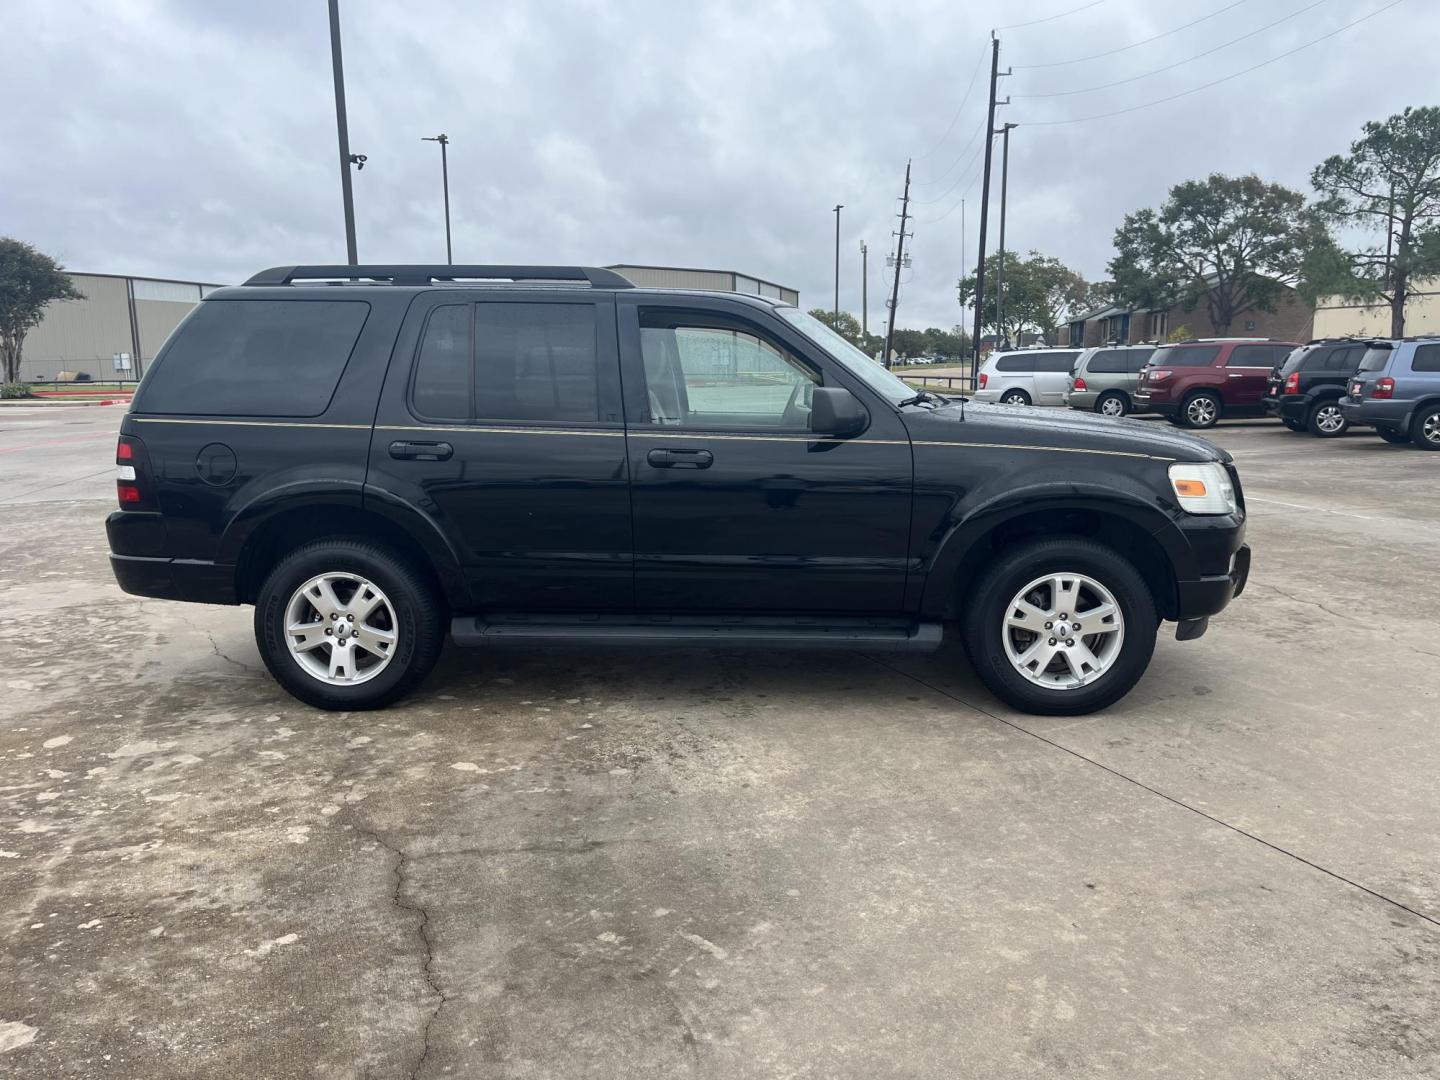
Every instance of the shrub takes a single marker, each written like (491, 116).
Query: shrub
(14, 390)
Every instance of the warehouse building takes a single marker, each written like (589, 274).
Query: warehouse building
(111, 334)
(676, 277)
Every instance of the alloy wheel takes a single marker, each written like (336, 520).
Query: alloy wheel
(1430, 428)
(1112, 406)
(341, 628)
(1201, 411)
(1063, 631)
(1329, 419)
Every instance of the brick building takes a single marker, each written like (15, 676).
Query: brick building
(1292, 320)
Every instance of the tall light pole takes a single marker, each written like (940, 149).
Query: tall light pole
(1000, 270)
(864, 289)
(444, 141)
(343, 129)
(838, 208)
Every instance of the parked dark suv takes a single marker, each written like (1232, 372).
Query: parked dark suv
(1196, 383)
(1305, 390)
(375, 455)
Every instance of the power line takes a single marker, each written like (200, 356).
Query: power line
(1052, 18)
(946, 193)
(959, 158)
(1178, 63)
(1217, 82)
(969, 187)
(1134, 45)
(963, 102)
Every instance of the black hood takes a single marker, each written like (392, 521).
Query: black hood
(1064, 429)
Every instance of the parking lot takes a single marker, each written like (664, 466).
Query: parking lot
(659, 864)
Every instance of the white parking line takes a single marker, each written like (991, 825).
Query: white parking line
(1301, 506)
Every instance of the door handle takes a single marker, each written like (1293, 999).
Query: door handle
(421, 451)
(680, 459)
(1235, 375)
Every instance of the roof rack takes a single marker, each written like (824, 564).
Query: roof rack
(597, 277)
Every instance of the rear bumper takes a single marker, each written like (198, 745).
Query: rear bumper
(1390, 415)
(137, 541)
(1082, 399)
(1145, 402)
(1285, 406)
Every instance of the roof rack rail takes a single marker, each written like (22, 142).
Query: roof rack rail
(400, 274)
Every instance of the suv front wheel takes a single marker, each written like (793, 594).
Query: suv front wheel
(1060, 626)
(345, 624)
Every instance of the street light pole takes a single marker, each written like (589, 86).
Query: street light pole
(444, 141)
(838, 208)
(1000, 272)
(864, 289)
(343, 129)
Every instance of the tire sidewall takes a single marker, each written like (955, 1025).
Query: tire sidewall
(414, 616)
(1185, 420)
(1021, 398)
(1113, 395)
(985, 618)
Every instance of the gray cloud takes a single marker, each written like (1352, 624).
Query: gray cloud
(197, 139)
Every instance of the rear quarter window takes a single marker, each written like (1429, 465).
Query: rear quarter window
(1015, 363)
(1256, 356)
(256, 358)
(1427, 358)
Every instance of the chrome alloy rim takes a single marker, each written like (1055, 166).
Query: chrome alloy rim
(1201, 411)
(1329, 419)
(341, 629)
(1063, 631)
(1430, 428)
(1112, 406)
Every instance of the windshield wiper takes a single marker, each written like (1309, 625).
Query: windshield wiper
(920, 397)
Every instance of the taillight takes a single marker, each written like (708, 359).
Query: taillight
(1080, 383)
(133, 486)
(983, 380)
(1160, 374)
(1384, 388)
(1292, 383)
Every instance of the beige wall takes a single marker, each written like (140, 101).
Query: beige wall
(668, 277)
(1337, 318)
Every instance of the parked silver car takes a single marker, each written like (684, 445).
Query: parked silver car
(1103, 379)
(1026, 377)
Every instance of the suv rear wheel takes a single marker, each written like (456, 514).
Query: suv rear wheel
(1426, 429)
(1200, 410)
(1015, 397)
(1112, 403)
(1326, 421)
(344, 624)
(1060, 626)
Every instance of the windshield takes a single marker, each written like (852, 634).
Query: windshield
(854, 361)
(1376, 357)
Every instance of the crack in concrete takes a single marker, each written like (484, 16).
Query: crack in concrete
(560, 848)
(215, 645)
(398, 900)
(1349, 618)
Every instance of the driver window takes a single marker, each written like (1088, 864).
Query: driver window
(712, 377)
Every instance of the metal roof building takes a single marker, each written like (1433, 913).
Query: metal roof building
(679, 277)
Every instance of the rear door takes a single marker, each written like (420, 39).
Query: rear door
(500, 420)
(1052, 376)
(738, 506)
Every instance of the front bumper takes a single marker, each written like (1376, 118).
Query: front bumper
(1209, 595)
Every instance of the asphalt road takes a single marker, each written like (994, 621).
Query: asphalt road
(694, 863)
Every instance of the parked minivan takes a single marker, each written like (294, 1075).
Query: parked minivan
(1104, 378)
(1397, 392)
(1026, 377)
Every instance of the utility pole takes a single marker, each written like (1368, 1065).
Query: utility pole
(838, 208)
(899, 265)
(1004, 184)
(959, 283)
(864, 289)
(342, 127)
(444, 141)
(984, 208)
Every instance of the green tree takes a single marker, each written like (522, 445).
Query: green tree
(908, 342)
(1389, 181)
(1039, 291)
(1234, 243)
(28, 282)
(844, 324)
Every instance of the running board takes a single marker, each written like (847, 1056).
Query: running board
(741, 631)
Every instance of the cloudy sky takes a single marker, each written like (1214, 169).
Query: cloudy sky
(197, 139)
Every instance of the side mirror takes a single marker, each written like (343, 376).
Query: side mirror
(835, 411)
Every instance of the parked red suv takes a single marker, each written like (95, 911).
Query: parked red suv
(1196, 383)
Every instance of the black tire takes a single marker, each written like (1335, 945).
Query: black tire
(419, 618)
(1325, 413)
(1394, 438)
(1293, 425)
(983, 624)
(1191, 416)
(1425, 429)
(1113, 395)
(1015, 397)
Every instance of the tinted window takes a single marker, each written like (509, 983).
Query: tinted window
(1107, 362)
(1305, 355)
(1427, 358)
(536, 362)
(722, 377)
(442, 369)
(1266, 356)
(1056, 361)
(1186, 356)
(1135, 359)
(256, 358)
(1344, 359)
(1375, 359)
(1020, 362)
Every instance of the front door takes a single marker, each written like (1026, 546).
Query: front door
(1247, 375)
(501, 422)
(737, 506)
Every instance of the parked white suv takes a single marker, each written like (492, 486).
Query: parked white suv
(1026, 377)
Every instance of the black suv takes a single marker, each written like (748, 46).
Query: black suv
(374, 455)
(1306, 388)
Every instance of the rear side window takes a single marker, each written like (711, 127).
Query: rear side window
(1186, 356)
(1256, 356)
(1427, 358)
(257, 358)
(1016, 363)
(1057, 361)
(1108, 362)
(508, 361)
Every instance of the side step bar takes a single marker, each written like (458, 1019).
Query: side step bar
(680, 631)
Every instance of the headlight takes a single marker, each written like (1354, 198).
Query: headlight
(1203, 487)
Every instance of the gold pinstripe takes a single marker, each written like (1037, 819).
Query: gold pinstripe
(618, 433)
